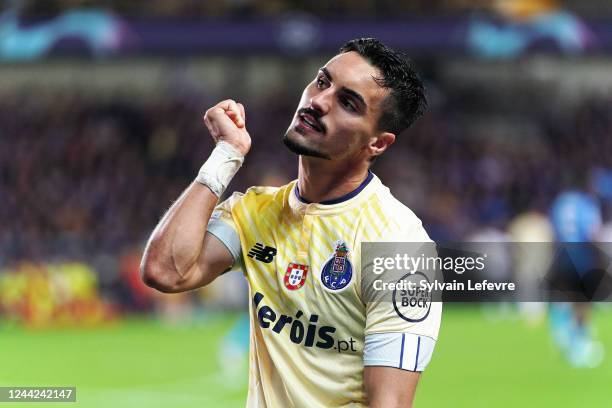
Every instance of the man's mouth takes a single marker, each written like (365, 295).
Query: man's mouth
(309, 121)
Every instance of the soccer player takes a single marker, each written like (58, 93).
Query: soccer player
(576, 217)
(315, 341)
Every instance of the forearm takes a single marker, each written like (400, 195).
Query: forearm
(179, 256)
(176, 243)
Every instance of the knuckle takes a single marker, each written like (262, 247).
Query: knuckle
(226, 102)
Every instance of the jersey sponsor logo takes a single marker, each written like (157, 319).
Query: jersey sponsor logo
(262, 253)
(295, 277)
(412, 305)
(338, 270)
(307, 333)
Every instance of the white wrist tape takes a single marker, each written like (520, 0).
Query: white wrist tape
(217, 172)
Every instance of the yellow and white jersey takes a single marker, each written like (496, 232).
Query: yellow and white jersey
(311, 330)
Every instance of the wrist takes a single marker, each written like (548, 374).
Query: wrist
(217, 172)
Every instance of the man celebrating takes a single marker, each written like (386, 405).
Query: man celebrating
(315, 341)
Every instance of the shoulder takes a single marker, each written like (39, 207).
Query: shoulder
(269, 193)
(260, 195)
(263, 191)
(402, 223)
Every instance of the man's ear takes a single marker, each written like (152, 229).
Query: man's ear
(380, 143)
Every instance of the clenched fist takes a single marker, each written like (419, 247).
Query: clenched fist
(226, 122)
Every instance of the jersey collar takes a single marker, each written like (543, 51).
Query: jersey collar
(301, 201)
(341, 199)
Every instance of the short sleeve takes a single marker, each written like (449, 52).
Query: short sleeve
(405, 351)
(401, 311)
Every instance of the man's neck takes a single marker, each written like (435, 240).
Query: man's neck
(321, 180)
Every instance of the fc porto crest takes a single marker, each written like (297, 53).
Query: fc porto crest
(337, 271)
(295, 277)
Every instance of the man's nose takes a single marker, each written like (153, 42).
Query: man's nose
(321, 102)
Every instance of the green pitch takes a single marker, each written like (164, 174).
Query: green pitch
(479, 362)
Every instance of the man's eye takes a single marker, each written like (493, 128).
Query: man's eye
(320, 82)
(348, 104)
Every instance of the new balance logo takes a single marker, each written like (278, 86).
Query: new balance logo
(264, 254)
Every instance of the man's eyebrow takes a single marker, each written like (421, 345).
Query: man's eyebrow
(344, 89)
(326, 73)
(355, 95)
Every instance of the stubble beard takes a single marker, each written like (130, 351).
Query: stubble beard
(302, 150)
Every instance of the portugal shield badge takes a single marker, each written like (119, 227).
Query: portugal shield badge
(295, 277)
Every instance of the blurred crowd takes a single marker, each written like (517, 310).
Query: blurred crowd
(86, 177)
(81, 175)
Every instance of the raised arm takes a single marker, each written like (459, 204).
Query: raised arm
(180, 255)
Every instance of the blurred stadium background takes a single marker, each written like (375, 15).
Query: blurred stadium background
(100, 130)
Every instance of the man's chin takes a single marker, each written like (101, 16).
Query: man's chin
(300, 149)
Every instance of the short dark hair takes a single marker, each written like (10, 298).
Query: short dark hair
(406, 102)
